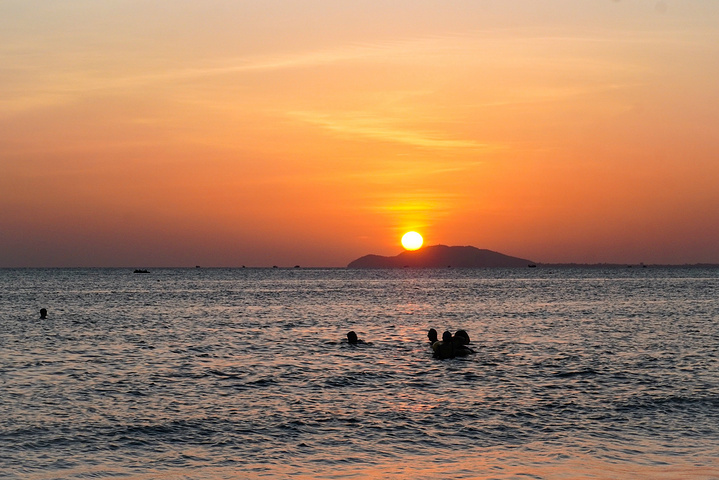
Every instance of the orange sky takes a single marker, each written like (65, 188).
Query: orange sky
(259, 133)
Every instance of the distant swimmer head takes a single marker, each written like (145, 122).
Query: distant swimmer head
(351, 337)
(432, 335)
(43, 314)
(447, 336)
(463, 336)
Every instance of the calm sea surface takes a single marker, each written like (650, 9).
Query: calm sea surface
(242, 373)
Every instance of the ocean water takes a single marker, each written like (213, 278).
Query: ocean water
(242, 373)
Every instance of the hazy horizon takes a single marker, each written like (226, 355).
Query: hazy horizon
(397, 254)
(311, 133)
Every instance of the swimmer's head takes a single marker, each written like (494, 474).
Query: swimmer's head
(43, 313)
(463, 336)
(351, 337)
(447, 336)
(432, 335)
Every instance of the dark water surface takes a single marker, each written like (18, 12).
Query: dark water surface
(241, 373)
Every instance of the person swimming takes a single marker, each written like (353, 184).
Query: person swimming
(432, 336)
(352, 339)
(445, 347)
(462, 337)
(43, 314)
(460, 342)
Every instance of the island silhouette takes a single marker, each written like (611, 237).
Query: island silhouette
(442, 256)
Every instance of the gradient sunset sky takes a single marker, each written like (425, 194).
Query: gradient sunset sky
(263, 132)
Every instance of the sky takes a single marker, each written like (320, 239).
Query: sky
(152, 133)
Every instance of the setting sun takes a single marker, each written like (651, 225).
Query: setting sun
(412, 240)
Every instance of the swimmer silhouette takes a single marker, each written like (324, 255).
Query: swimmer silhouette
(445, 348)
(432, 336)
(352, 339)
(460, 342)
(461, 337)
(43, 314)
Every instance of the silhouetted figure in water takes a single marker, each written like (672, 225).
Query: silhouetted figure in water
(432, 336)
(352, 338)
(461, 337)
(444, 348)
(460, 342)
(43, 314)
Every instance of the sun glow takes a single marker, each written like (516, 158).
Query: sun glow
(412, 240)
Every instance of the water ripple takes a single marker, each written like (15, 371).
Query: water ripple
(203, 374)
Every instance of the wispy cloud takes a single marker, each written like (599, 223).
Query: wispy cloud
(372, 126)
(81, 72)
(76, 72)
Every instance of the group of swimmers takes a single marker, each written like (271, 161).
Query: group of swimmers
(450, 346)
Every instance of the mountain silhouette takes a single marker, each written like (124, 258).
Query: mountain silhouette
(442, 256)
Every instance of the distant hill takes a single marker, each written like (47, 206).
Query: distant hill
(442, 256)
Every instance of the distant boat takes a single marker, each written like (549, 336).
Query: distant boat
(141, 271)
(531, 265)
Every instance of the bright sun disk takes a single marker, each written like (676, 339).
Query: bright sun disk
(412, 240)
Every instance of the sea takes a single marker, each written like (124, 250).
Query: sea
(245, 373)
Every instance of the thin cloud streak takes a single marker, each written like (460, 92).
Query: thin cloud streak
(83, 80)
(28, 88)
(362, 125)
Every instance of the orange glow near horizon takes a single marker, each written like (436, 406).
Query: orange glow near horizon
(174, 135)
